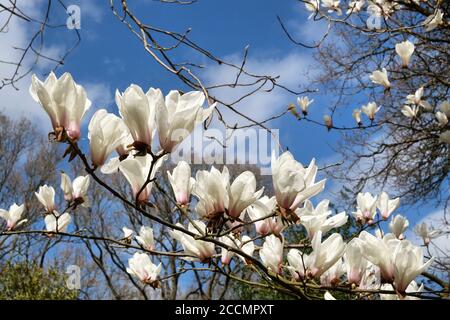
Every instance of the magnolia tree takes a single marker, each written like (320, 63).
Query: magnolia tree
(229, 221)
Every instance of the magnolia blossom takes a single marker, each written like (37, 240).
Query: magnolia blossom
(248, 247)
(304, 103)
(405, 50)
(328, 121)
(123, 149)
(355, 262)
(198, 250)
(137, 110)
(370, 109)
(441, 118)
(245, 245)
(381, 252)
(408, 265)
(416, 99)
(386, 205)
(398, 225)
(177, 117)
(366, 207)
(313, 6)
(333, 275)
(422, 231)
(46, 196)
(12, 216)
(356, 114)
(181, 181)
(106, 132)
(293, 184)
(327, 296)
(64, 101)
(264, 207)
(412, 288)
(433, 20)
(410, 112)
(445, 137)
(271, 253)
(355, 6)
(211, 188)
(381, 78)
(298, 263)
(143, 268)
(315, 220)
(127, 233)
(136, 170)
(332, 5)
(325, 254)
(55, 222)
(145, 238)
(242, 193)
(75, 191)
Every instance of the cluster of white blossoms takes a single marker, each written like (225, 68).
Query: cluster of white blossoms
(222, 206)
(377, 8)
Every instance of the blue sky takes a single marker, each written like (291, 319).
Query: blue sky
(110, 57)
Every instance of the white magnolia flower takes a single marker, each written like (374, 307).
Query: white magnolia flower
(304, 103)
(312, 6)
(422, 231)
(143, 268)
(332, 5)
(370, 109)
(355, 6)
(298, 263)
(433, 20)
(226, 254)
(137, 110)
(386, 205)
(441, 118)
(264, 207)
(416, 100)
(328, 121)
(242, 193)
(46, 196)
(12, 216)
(55, 222)
(380, 252)
(315, 220)
(333, 275)
(136, 169)
(106, 132)
(327, 296)
(123, 149)
(404, 50)
(355, 262)
(293, 184)
(412, 288)
(408, 265)
(75, 191)
(271, 253)
(202, 251)
(325, 254)
(366, 208)
(145, 238)
(178, 116)
(410, 112)
(64, 101)
(398, 225)
(127, 233)
(371, 279)
(248, 247)
(445, 108)
(356, 114)
(445, 137)
(211, 188)
(381, 78)
(181, 181)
